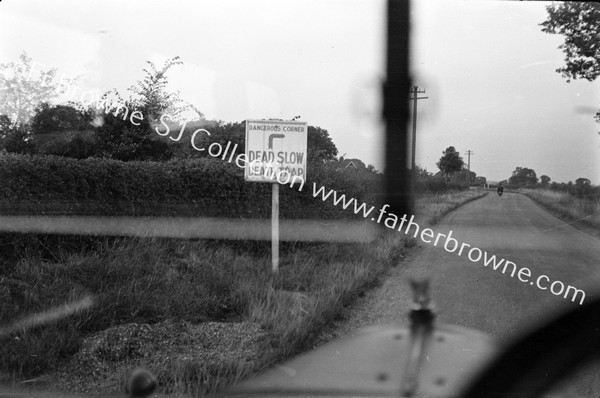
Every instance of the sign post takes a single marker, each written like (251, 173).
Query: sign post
(275, 153)
(275, 227)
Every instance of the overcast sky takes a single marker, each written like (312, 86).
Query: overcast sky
(488, 70)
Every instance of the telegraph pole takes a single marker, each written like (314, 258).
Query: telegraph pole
(469, 153)
(415, 97)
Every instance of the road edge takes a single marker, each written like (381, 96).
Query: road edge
(340, 325)
(440, 217)
(581, 225)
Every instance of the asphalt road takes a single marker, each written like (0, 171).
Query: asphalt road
(515, 228)
(471, 295)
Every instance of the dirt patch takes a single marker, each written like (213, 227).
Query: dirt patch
(177, 353)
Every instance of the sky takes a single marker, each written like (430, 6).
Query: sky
(488, 71)
(490, 75)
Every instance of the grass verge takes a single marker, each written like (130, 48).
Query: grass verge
(583, 211)
(152, 281)
(431, 208)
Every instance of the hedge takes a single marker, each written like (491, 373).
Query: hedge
(199, 187)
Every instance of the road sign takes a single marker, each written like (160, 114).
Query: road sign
(275, 153)
(275, 150)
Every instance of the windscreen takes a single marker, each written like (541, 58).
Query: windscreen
(206, 189)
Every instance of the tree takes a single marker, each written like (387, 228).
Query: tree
(583, 187)
(469, 176)
(223, 133)
(153, 98)
(582, 181)
(5, 126)
(422, 173)
(15, 139)
(545, 180)
(120, 139)
(578, 22)
(373, 169)
(319, 145)
(450, 162)
(523, 177)
(21, 91)
(51, 119)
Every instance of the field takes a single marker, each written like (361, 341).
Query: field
(199, 314)
(584, 210)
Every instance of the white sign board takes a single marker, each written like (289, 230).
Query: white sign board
(275, 150)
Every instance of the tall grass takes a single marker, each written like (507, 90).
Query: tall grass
(148, 281)
(431, 208)
(585, 209)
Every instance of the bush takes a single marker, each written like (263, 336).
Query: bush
(120, 139)
(81, 148)
(17, 140)
(437, 185)
(57, 118)
(78, 147)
